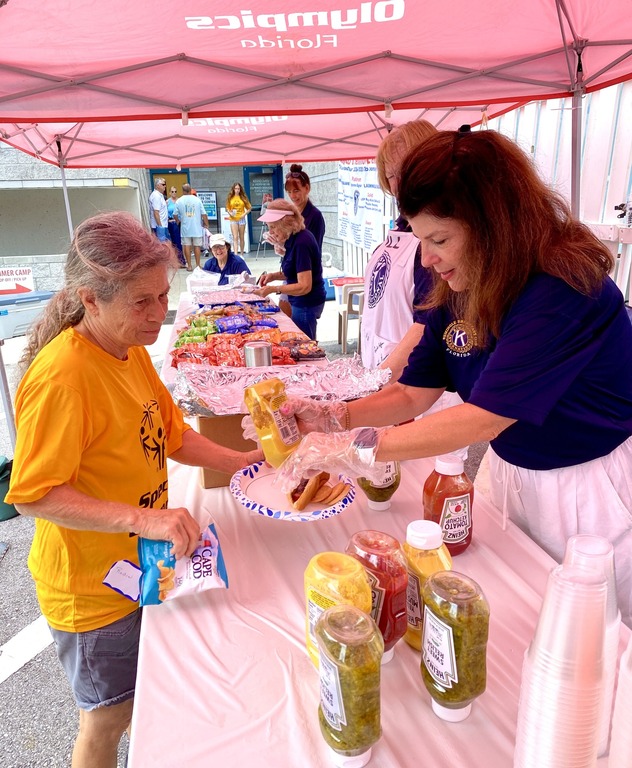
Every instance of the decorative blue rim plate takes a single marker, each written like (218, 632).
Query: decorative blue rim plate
(252, 487)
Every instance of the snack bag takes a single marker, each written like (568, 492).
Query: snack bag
(165, 578)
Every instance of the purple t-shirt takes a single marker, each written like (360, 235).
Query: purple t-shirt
(562, 366)
(302, 254)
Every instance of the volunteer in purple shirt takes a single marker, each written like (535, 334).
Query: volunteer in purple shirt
(301, 265)
(528, 328)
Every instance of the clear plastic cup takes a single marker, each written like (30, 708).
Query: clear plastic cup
(571, 628)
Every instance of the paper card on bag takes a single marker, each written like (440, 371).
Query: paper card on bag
(124, 578)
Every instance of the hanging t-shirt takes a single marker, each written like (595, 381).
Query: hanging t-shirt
(562, 366)
(388, 297)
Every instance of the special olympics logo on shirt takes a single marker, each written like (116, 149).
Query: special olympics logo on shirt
(379, 278)
(459, 338)
(152, 436)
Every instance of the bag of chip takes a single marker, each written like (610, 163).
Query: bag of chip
(165, 578)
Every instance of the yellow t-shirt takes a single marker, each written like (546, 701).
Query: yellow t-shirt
(237, 205)
(105, 427)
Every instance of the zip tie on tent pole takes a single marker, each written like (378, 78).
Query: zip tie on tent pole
(388, 109)
(185, 117)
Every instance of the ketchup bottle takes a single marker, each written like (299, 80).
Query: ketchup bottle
(385, 564)
(447, 499)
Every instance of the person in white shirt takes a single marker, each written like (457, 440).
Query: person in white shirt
(158, 213)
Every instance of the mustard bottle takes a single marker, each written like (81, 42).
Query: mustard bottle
(278, 434)
(425, 554)
(332, 578)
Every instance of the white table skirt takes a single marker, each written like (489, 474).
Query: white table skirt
(224, 678)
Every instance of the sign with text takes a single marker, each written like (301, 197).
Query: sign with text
(360, 204)
(16, 280)
(209, 201)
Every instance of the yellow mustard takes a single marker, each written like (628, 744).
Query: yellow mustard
(332, 578)
(278, 434)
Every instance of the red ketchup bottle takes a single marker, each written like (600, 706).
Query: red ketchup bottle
(385, 564)
(447, 499)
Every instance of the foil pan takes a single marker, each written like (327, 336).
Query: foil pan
(204, 390)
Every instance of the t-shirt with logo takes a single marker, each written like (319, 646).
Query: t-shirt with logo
(190, 210)
(105, 427)
(561, 366)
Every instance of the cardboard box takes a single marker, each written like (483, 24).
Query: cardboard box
(226, 431)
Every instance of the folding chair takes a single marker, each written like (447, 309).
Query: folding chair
(350, 309)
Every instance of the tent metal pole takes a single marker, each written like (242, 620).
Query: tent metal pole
(576, 153)
(576, 132)
(60, 158)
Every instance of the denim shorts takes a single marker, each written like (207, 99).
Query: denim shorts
(101, 664)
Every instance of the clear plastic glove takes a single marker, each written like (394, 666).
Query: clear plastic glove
(352, 453)
(316, 416)
(311, 416)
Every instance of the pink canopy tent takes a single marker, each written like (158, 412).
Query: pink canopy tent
(127, 84)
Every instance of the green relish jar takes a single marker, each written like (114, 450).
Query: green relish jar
(454, 643)
(351, 649)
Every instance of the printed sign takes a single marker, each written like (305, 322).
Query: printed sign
(16, 280)
(360, 204)
(209, 201)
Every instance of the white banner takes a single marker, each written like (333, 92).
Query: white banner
(360, 204)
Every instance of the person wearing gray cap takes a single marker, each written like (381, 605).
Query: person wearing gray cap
(224, 260)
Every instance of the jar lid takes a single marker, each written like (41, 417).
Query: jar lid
(379, 504)
(424, 534)
(451, 715)
(449, 464)
(350, 761)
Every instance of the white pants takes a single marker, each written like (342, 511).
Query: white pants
(591, 498)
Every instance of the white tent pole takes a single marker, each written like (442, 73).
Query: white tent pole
(576, 132)
(576, 154)
(60, 158)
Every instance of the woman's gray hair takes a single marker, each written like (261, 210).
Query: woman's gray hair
(294, 223)
(108, 251)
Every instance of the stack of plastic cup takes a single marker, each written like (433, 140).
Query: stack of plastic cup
(562, 680)
(596, 553)
(621, 741)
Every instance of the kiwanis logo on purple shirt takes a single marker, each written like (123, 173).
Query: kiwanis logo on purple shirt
(379, 279)
(460, 338)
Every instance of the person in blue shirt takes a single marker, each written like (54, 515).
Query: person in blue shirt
(224, 260)
(301, 265)
(526, 325)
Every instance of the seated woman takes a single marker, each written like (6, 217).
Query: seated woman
(224, 260)
(301, 265)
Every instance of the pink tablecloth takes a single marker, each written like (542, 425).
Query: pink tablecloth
(224, 678)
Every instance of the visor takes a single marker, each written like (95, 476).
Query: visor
(275, 215)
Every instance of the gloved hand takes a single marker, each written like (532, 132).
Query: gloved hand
(352, 453)
(316, 415)
(311, 416)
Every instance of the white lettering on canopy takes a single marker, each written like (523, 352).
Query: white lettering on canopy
(366, 13)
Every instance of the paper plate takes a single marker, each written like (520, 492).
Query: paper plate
(252, 487)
